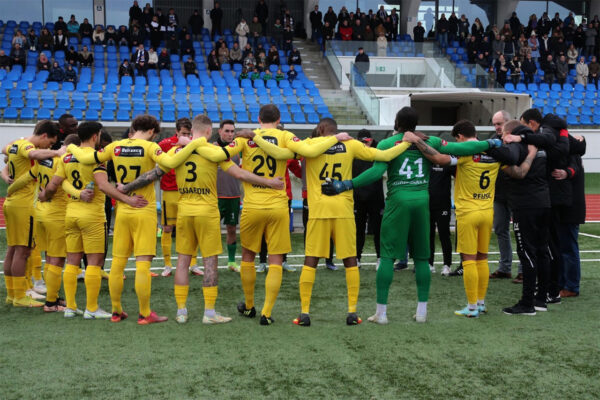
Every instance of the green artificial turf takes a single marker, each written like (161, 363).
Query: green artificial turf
(552, 355)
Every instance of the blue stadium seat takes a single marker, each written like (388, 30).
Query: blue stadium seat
(122, 115)
(77, 113)
(108, 115)
(10, 113)
(92, 115)
(44, 113)
(299, 118)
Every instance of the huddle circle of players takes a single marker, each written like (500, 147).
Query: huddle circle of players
(68, 217)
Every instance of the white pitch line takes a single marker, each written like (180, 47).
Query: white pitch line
(589, 235)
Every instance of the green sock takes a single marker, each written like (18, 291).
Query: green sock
(231, 252)
(423, 277)
(383, 279)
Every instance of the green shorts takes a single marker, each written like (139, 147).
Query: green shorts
(406, 221)
(229, 208)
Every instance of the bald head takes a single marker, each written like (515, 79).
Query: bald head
(499, 119)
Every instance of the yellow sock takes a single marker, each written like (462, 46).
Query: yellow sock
(272, 285)
(483, 270)
(70, 285)
(10, 290)
(166, 242)
(93, 279)
(210, 297)
(248, 276)
(28, 273)
(197, 263)
(53, 277)
(353, 286)
(115, 282)
(19, 286)
(181, 295)
(470, 280)
(307, 280)
(36, 264)
(143, 286)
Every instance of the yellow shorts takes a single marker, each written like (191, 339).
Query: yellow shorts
(85, 235)
(50, 237)
(199, 231)
(134, 232)
(474, 231)
(320, 231)
(19, 225)
(273, 223)
(170, 198)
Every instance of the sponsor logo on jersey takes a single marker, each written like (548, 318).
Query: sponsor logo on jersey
(232, 144)
(49, 163)
(129, 151)
(444, 142)
(194, 190)
(13, 149)
(69, 158)
(179, 148)
(336, 149)
(158, 152)
(296, 139)
(251, 144)
(482, 196)
(483, 158)
(29, 147)
(271, 139)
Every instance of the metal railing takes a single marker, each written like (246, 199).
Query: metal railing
(365, 95)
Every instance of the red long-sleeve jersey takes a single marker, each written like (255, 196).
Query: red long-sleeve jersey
(168, 182)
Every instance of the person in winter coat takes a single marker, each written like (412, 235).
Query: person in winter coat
(582, 72)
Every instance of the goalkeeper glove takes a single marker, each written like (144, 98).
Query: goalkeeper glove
(333, 187)
(494, 143)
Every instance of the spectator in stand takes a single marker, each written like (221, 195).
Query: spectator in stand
(395, 18)
(331, 17)
(190, 67)
(327, 32)
(152, 59)
(60, 24)
(223, 54)
(162, 20)
(524, 49)
(262, 12)
(216, 16)
(481, 77)
(369, 34)
(56, 73)
(590, 39)
(509, 48)
(71, 57)
(292, 73)
(515, 23)
(172, 43)
(279, 76)
(243, 75)
(43, 63)
(594, 70)
(213, 61)
(559, 48)
(110, 37)
(147, 15)
(463, 29)
(579, 40)
(288, 39)
(141, 68)
(294, 57)
(277, 34)
(164, 61)
(288, 20)
(316, 23)
(267, 76)
(70, 75)
(73, 27)
(98, 35)
(86, 58)
(505, 31)
(544, 46)
(255, 31)
(123, 36)
(155, 32)
(582, 72)
(572, 56)
(562, 70)
(242, 30)
(187, 46)
(361, 61)
(515, 70)
(18, 55)
(172, 20)
(32, 40)
(529, 69)
(262, 58)
(135, 14)
(534, 46)
(497, 47)
(419, 37)
(125, 69)
(20, 39)
(346, 31)
(249, 61)
(140, 56)
(501, 66)
(549, 68)
(136, 36)
(5, 63)
(246, 50)
(235, 54)
(273, 56)
(477, 29)
(452, 27)
(382, 46)
(60, 41)
(472, 50)
(86, 29)
(255, 75)
(358, 31)
(196, 23)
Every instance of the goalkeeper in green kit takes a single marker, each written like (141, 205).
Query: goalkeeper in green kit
(406, 215)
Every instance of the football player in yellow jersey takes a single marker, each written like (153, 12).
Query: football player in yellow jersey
(265, 210)
(50, 224)
(85, 220)
(333, 217)
(18, 208)
(198, 221)
(135, 229)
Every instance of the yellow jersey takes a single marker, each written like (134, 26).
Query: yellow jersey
(18, 165)
(257, 161)
(197, 185)
(55, 208)
(80, 175)
(475, 183)
(336, 163)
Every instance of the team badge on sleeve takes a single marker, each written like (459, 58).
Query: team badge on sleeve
(296, 139)
(251, 144)
(117, 151)
(158, 152)
(29, 147)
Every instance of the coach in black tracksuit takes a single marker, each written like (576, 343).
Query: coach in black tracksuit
(440, 204)
(560, 190)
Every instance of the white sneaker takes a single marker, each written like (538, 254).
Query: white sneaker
(378, 319)
(182, 316)
(39, 287)
(81, 276)
(196, 270)
(34, 295)
(98, 314)
(262, 267)
(432, 268)
(446, 271)
(377, 264)
(167, 271)
(70, 313)
(420, 318)
(215, 319)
